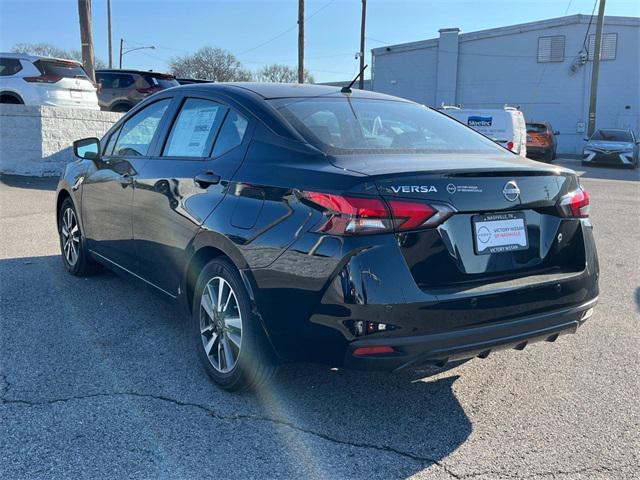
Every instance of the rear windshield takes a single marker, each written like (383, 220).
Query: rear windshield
(61, 69)
(345, 125)
(612, 135)
(536, 128)
(162, 81)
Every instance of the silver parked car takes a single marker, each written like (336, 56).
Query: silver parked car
(612, 146)
(30, 80)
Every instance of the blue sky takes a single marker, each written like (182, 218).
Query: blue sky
(262, 32)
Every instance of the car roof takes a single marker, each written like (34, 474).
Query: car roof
(289, 90)
(33, 58)
(146, 72)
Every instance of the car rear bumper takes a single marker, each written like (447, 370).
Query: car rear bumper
(441, 348)
(539, 151)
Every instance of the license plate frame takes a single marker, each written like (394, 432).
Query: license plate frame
(484, 226)
(75, 93)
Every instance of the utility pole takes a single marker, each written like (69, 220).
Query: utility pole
(300, 41)
(109, 32)
(120, 63)
(595, 71)
(86, 37)
(362, 24)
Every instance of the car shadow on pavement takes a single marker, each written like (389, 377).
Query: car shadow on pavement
(119, 349)
(36, 183)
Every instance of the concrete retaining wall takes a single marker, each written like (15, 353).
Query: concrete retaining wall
(38, 141)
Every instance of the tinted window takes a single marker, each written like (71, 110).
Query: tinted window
(61, 68)
(536, 128)
(231, 133)
(194, 129)
(162, 81)
(342, 125)
(9, 66)
(137, 133)
(114, 80)
(612, 135)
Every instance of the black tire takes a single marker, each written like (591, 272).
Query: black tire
(10, 99)
(255, 362)
(83, 265)
(121, 107)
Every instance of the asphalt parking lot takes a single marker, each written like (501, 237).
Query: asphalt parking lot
(98, 379)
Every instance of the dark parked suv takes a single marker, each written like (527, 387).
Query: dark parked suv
(304, 222)
(122, 89)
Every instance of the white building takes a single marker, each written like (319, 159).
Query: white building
(543, 67)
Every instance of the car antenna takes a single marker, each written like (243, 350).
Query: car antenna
(347, 89)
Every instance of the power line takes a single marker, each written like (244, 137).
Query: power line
(584, 42)
(281, 34)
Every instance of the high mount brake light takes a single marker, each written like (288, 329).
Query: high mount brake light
(43, 79)
(358, 215)
(575, 204)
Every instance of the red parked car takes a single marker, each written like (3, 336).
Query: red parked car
(541, 141)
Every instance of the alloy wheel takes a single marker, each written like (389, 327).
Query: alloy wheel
(70, 233)
(220, 324)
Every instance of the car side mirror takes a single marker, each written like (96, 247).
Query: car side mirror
(557, 132)
(586, 139)
(87, 148)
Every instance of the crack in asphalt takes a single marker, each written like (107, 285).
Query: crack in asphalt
(423, 460)
(236, 417)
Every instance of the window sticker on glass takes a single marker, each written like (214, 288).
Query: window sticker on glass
(192, 133)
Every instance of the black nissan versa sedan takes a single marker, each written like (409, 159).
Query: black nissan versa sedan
(305, 222)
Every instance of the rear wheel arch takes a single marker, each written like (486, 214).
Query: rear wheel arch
(11, 98)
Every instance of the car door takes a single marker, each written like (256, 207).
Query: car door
(183, 183)
(107, 189)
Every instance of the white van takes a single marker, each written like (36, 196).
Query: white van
(506, 126)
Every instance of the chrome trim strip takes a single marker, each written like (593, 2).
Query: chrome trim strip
(131, 273)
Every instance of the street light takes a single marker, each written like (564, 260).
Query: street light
(123, 52)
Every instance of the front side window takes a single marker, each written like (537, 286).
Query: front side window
(137, 133)
(344, 125)
(612, 136)
(111, 143)
(9, 66)
(195, 128)
(231, 133)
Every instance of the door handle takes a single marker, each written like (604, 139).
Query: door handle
(207, 179)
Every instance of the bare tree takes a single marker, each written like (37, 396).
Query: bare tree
(210, 63)
(279, 73)
(48, 50)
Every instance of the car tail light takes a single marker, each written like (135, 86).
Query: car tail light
(360, 215)
(43, 79)
(510, 146)
(575, 204)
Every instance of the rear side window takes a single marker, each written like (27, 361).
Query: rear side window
(9, 66)
(61, 68)
(114, 80)
(193, 132)
(231, 133)
(137, 133)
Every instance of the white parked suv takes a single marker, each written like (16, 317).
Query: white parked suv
(29, 80)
